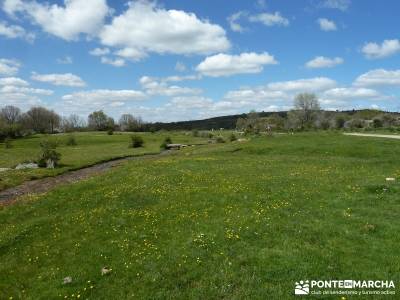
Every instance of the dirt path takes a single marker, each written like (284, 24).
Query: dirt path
(388, 136)
(43, 185)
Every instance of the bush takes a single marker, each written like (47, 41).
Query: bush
(232, 137)
(166, 141)
(71, 141)
(49, 157)
(195, 133)
(220, 140)
(7, 143)
(136, 141)
(110, 132)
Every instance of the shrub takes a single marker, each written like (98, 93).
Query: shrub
(166, 141)
(195, 133)
(71, 141)
(49, 157)
(110, 132)
(136, 141)
(232, 137)
(7, 143)
(220, 139)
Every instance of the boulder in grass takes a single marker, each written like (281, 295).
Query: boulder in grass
(390, 179)
(105, 270)
(67, 280)
(26, 166)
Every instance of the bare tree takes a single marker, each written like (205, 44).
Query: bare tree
(306, 109)
(128, 122)
(98, 120)
(10, 114)
(40, 119)
(72, 123)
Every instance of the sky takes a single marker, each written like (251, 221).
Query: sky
(172, 60)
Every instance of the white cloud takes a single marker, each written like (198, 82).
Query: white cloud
(268, 19)
(326, 25)
(103, 97)
(118, 62)
(66, 60)
(99, 51)
(131, 54)
(148, 28)
(180, 67)
(324, 62)
(387, 48)
(233, 21)
(303, 85)
(25, 90)
(13, 81)
(342, 5)
(227, 65)
(351, 93)
(66, 79)
(191, 102)
(9, 67)
(379, 77)
(15, 31)
(154, 86)
(75, 17)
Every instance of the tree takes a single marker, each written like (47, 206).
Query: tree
(41, 120)
(72, 123)
(306, 109)
(128, 122)
(98, 120)
(10, 114)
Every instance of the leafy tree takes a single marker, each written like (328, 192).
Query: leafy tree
(98, 120)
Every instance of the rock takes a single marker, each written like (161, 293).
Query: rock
(105, 270)
(27, 166)
(390, 179)
(67, 280)
(4, 169)
(50, 164)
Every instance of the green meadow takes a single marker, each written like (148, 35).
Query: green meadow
(238, 220)
(91, 148)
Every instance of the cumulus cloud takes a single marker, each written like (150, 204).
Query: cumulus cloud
(268, 19)
(117, 62)
(324, 62)
(342, 5)
(387, 48)
(326, 25)
(351, 93)
(99, 97)
(233, 21)
(66, 79)
(227, 65)
(131, 54)
(9, 67)
(155, 86)
(15, 31)
(379, 77)
(148, 28)
(303, 85)
(99, 51)
(14, 81)
(75, 17)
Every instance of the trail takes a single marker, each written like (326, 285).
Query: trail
(388, 136)
(46, 184)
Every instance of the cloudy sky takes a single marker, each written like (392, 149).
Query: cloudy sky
(178, 60)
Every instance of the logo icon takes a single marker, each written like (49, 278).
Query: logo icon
(302, 288)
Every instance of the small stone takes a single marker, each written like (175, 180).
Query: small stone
(67, 280)
(27, 166)
(390, 179)
(105, 270)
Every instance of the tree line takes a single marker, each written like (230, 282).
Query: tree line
(15, 123)
(305, 115)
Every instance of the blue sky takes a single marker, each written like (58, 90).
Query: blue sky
(181, 60)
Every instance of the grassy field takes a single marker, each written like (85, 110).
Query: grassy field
(91, 148)
(224, 221)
